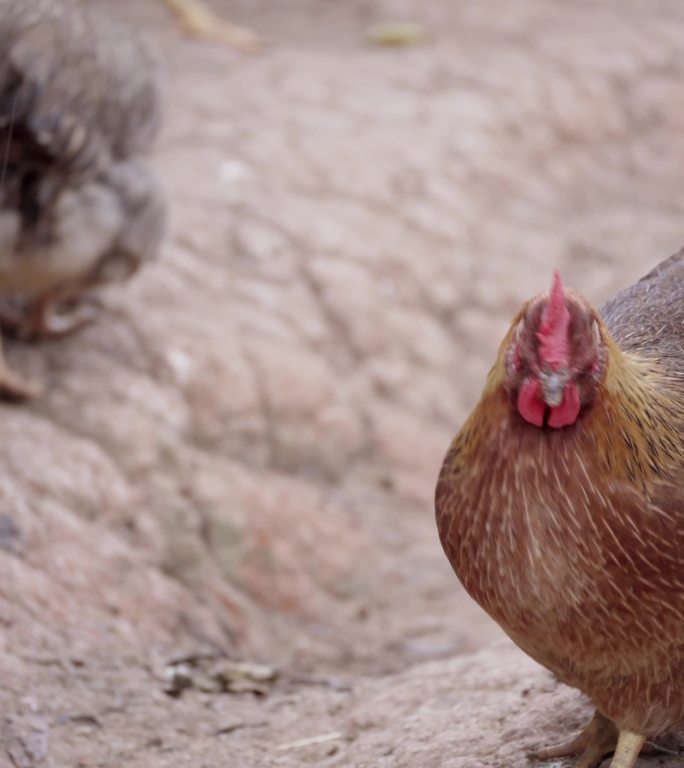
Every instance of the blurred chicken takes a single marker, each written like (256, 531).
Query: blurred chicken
(79, 207)
(560, 504)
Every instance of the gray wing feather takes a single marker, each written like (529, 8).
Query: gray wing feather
(85, 89)
(648, 317)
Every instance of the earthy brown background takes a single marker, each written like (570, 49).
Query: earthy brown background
(239, 458)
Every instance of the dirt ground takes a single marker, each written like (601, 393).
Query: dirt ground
(236, 464)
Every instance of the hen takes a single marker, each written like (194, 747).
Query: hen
(79, 207)
(560, 503)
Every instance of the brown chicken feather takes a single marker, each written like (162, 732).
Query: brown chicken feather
(572, 538)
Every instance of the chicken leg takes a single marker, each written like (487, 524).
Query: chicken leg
(13, 386)
(628, 748)
(201, 21)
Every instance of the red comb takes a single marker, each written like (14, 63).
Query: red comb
(554, 345)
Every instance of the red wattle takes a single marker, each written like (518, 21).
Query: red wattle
(530, 403)
(568, 411)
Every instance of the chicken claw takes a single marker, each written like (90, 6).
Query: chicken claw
(201, 21)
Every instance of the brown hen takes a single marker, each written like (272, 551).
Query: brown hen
(560, 503)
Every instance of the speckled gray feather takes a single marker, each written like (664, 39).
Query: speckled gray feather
(648, 317)
(68, 64)
(79, 111)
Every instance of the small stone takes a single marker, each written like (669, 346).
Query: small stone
(178, 678)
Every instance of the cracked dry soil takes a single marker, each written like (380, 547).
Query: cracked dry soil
(237, 461)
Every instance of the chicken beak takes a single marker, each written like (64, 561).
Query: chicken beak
(553, 388)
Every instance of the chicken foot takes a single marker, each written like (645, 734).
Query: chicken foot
(52, 322)
(201, 21)
(56, 314)
(597, 739)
